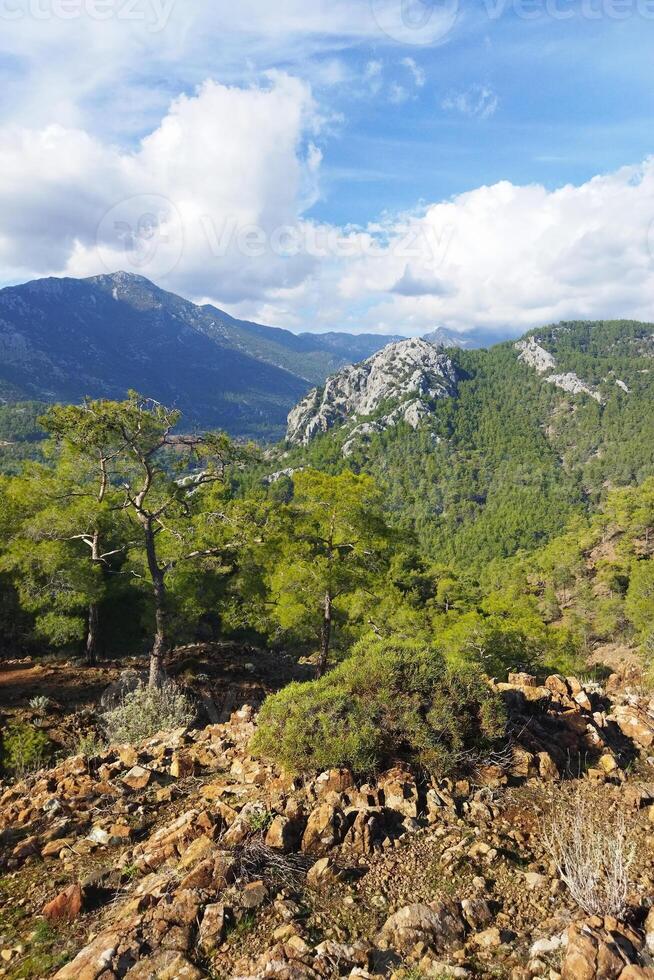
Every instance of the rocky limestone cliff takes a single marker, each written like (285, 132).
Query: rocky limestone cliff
(412, 371)
(535, 356)
(532, 354)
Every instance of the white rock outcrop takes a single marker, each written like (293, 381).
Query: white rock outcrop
(412, 412)
(574, 385)
(532, 354)
(535, 356)
(413, 372)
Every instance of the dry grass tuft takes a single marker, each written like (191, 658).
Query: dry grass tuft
(588, 840)
(256, 861)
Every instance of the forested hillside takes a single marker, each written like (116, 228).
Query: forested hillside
(505, 464)
(20, 434)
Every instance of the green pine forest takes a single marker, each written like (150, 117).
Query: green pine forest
(513, 530)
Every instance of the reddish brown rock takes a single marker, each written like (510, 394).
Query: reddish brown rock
(182, 765)
(325, 828)
(333, 781)
(522, 680)
(138, 778)
(212, 929)
(95, 959)
(66, 906)
(253, 895)
(635, 724)
(400, 792)
(599, 949)
(284, 833)
(164, 965)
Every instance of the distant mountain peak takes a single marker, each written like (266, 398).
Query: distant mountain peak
(443, 338)
(62, 338)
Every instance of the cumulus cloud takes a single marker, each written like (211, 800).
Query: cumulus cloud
(214, 203)
(226, 168)
(413, 283)
(512, 257)
(479, 101)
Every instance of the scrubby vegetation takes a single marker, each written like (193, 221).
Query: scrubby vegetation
(390, 699)
(146, 711)
(23, 748)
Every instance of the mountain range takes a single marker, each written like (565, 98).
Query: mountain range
(62, 339)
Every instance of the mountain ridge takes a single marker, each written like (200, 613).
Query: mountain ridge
(516, 454)
(64, 338)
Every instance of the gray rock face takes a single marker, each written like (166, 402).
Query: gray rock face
(412, 372)
(535, 356)
(532, 354)
(435, 925)
(571, 383)
(445, 339)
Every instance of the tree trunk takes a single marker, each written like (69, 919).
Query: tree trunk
(325, 636)
(160, 645)
(94, 611)
(92, 635)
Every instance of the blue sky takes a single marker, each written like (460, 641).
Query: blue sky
(573, 99)
(509, 141)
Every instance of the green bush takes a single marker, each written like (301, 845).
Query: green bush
(144, 712)
(24, 748)
(392, 699)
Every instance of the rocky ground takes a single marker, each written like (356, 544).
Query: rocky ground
(187, 858)
(220, 677)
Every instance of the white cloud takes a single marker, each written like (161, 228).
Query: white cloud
(63, 69)
(373, 76)
(221, 162)
(397, 94)
(418, 73)
(479, 101)
(215, 200)
(512, 257)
